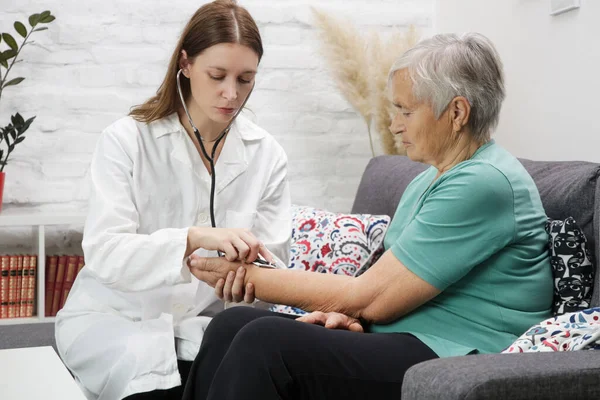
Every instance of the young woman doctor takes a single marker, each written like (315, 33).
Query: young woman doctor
(131, 326)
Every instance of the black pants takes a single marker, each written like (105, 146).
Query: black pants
(256, 354)
(167, 394)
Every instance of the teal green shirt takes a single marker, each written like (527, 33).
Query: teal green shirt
(476, 234)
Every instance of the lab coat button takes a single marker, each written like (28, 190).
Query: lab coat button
(179, 308)
(202, 219)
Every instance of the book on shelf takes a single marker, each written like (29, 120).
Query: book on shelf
(12, 286)
(51, 265)
(4, 285)
(58, 285)
(31, 286)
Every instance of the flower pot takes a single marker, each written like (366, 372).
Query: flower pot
(2, 175)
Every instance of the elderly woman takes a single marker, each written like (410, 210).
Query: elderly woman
(465, 271)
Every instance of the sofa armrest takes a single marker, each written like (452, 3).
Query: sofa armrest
(557, 376)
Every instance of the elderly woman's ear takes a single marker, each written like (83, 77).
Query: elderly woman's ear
(459, 111)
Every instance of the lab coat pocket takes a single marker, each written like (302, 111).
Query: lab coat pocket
(236, 219)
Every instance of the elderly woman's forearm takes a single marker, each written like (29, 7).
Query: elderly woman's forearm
(308, 291)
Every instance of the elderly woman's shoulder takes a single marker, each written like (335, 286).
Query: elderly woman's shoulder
(480, 174)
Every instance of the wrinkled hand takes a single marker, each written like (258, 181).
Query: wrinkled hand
(232, 289)
(237, 244)
(212, 269)
(332, 320)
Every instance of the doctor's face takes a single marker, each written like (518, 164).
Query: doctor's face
(221, 78)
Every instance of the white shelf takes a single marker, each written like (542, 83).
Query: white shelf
(36, 218)
(17, 216)
(30, 320)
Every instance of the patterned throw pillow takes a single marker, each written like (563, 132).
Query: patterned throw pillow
(327, 242)
(569, 332)
(572, 266)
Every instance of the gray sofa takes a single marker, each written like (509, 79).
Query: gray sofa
(566, 189)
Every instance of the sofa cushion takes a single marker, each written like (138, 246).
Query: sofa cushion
(568, 189)
(572, 266)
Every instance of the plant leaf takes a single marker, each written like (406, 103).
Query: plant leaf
(40, 29)
(8, 54)
(3, 62)
(34, 19)
(20, 28)
(13, 82)
(48, 19)
(44, 14)
(10, 41)
(19, 119)
(19, 140)
(27, 124)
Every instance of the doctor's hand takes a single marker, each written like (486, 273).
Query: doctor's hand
(237, 244)
(332, 320)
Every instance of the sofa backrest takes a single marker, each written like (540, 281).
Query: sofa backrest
(567, 188)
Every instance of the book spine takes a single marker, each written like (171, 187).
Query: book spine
(12, 286)
(51, 267)
(58, 284)
(4, 277)
(69, 279)
(80, 264)
(19, 281)
(31, 286)
(24, 289)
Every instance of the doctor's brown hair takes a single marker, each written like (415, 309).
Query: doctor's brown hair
(221, 21)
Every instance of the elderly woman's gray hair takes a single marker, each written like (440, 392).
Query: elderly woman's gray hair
(448, 65)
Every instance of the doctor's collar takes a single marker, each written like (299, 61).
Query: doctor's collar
(245, 128)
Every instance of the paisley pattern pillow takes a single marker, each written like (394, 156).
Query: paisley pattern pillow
(334, 243)
(569, 332)
(572, 266)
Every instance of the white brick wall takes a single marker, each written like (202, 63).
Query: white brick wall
(98, 58)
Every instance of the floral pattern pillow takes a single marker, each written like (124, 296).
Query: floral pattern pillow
(569, 332)
(334, 243)
(573, 268)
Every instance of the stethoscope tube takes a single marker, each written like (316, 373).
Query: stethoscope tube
(211, 158)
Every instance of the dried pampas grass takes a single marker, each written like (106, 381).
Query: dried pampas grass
(360, 69)
(383, 55)
(345, 51)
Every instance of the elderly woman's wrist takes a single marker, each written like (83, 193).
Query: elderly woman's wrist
(250, 273)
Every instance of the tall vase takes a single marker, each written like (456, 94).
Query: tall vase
(2, 176)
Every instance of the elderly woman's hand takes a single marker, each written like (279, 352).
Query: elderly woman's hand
(332, 320)
(212, 269)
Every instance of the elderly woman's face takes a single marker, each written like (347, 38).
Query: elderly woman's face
(424, 137)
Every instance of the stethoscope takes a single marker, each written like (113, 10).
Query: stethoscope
(211, 159)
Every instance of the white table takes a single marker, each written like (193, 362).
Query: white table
(35, 373)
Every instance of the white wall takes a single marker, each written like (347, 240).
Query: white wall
(99, 58)
(551, 65)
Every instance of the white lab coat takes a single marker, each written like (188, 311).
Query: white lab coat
(133, 310)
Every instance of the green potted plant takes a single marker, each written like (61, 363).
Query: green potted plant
(13, 133)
